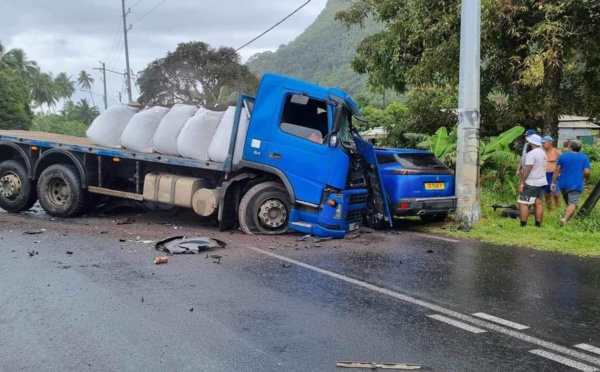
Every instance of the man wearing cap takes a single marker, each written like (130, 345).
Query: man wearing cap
(533, 182)
(552, 154)
(526, 149)
(572, 168)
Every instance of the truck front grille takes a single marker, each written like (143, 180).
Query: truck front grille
(358, 199)
(354, 216)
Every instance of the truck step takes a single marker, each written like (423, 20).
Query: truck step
(116, 193)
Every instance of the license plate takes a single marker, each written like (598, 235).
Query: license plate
(435, 186)
(354, 226)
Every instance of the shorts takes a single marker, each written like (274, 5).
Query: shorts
(571, 196)
(530, 194)
(549, 176)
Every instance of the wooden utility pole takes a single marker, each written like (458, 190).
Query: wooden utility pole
(467, 160)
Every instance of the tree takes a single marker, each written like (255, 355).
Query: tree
(81, 112)
(15, 112)
(526, 45)
(65, 87)
(194, 72)
(42, 89)
(17, 60)
(86, 81)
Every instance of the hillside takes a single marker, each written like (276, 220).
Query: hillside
(321, 54)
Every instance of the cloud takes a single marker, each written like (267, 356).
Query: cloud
(70, 36)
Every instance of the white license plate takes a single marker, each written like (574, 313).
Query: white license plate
(354, 226)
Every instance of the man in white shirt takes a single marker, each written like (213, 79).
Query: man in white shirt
(533, 182)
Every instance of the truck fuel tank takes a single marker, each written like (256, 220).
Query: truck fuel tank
(172, 189)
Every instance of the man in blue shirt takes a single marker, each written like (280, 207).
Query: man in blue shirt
(571, 169)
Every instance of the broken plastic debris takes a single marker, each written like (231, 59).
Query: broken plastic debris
(161, 260)
(183, 245)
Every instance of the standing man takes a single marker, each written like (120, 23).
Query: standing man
(526, 149)
(533, 182)
(572, 168)
(552, 154)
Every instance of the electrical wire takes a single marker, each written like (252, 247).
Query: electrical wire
(114, 41)
(131, 7)
(151, 10)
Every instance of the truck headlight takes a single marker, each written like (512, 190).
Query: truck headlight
(338, 212)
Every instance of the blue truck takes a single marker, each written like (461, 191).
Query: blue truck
(303, 168)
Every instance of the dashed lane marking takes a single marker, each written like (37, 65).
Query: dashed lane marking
(438, 309)
(590, 348)
(437, 237)
(456, 323)
(563, 360)
(504, 322)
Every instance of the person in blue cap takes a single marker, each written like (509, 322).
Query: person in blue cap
(526, 149)
(552, 154)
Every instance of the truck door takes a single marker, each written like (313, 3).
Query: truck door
(299, 148)
(379, 214)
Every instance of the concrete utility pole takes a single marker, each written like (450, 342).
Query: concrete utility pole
(103, 69)
(128, 71)
(467, 160)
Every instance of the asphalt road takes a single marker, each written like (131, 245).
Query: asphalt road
(278, 304)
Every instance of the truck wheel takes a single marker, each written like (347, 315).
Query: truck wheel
(265, 209)
(437, 217)
(17, 191)
(60, 193)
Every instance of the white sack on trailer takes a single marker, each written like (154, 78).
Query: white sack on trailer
(139, 132)
(197, 134)
(219, 147)
(165, 138)
(106, 129)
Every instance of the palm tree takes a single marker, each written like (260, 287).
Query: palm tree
(17, 60)
(65, 87)
(85, 113)
(42, 89)
(86, 81)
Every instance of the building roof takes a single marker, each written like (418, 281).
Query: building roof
(377, 132)
(576, 122)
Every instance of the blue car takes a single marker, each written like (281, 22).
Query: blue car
(417, 184)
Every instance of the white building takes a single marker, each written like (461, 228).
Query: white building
(578, 128)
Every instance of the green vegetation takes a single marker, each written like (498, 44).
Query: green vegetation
(53, 123)
(321, 54)
(195, 72)
(15, 112)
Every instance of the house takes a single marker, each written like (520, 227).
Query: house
(578, 128)
(374, 134)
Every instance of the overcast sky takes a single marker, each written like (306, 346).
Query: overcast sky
(74, 35)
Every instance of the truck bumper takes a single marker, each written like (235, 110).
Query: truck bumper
(422, 206)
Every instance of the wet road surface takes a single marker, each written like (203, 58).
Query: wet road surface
(278, 304)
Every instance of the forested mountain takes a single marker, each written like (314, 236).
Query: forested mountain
(321, 54)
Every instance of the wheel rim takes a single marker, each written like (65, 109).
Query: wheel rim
(11, 185)
(58, 192)
(272, 213)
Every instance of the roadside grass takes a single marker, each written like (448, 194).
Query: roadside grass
(579, 237)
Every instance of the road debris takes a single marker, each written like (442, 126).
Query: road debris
(192, 310)
(32, 253)
(286, 265)
(183, 245)
(126, 221)
(161, 260)
(320, 240)
(69, 252)
(142, 299)
(429, 251)
(216, 258)
(372, 365)
(34, 232)
(352, 236)
(122, 240)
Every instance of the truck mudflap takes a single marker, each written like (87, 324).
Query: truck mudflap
(378, 211)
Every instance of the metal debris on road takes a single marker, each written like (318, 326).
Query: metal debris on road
(183, 245)
(161, 260)
(303, 238)
(372, 365)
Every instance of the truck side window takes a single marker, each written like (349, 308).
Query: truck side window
(307, 121)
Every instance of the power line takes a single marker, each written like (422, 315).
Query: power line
(151, 10)
(114, 42)
(248, 43)
(275, 25)
(136, 4)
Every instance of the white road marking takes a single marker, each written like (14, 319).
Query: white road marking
(456, 323)
(590, 348)
(563, 360)
(437, 237)
(436, 308)
(505, 322)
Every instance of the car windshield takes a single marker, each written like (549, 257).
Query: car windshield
(419, 161)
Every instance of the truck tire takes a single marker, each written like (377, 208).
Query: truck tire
(265, 209)
(59, 191)
(17, 191)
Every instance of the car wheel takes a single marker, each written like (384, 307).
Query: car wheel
(437, 217)
(17, 191)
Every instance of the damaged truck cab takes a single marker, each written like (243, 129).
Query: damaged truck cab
(304, 133)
